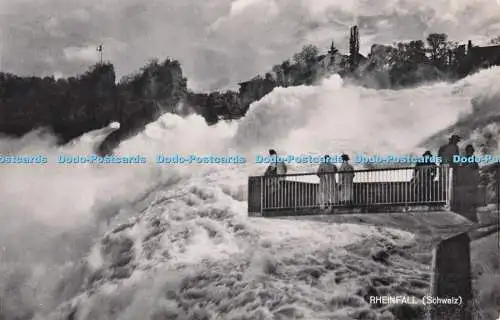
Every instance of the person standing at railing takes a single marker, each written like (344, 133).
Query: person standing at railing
(276, 167)
(446, 153)
(346, 180)
(467, 184)
(423, 178)
(273, 178)
(327, 182)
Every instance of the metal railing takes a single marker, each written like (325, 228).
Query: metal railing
(424, 185)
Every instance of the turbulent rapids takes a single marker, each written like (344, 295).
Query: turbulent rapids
(142, 241)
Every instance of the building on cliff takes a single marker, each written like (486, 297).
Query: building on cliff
(331, 63)
(477, 58)
(485, 57)
(335, 62)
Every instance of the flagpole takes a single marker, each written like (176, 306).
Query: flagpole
(1, 49)
(99, 48)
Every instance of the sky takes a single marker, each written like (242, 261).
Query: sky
(218, 42)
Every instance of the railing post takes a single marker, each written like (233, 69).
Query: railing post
(295, 197)
(262, 191)
(255, 191)
(450, 190)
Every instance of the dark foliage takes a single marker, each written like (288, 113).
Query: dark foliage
(216, 105)
(73, 106)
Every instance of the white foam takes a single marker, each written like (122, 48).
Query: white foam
(196, 215)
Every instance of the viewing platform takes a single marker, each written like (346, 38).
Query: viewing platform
(373, 190)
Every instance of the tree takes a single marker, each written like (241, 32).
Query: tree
(415, 52)
(286, 67)
(308, 56)
(280, 77)
(209, 112)
(438, 48)
(495, 40)
(407, 62)
(305, 62)
(354, 48)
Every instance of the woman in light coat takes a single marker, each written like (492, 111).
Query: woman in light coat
(346, 180)
(327, 182)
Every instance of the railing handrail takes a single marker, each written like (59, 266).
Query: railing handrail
(355, 171)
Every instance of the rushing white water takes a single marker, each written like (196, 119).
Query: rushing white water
(187, 248)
